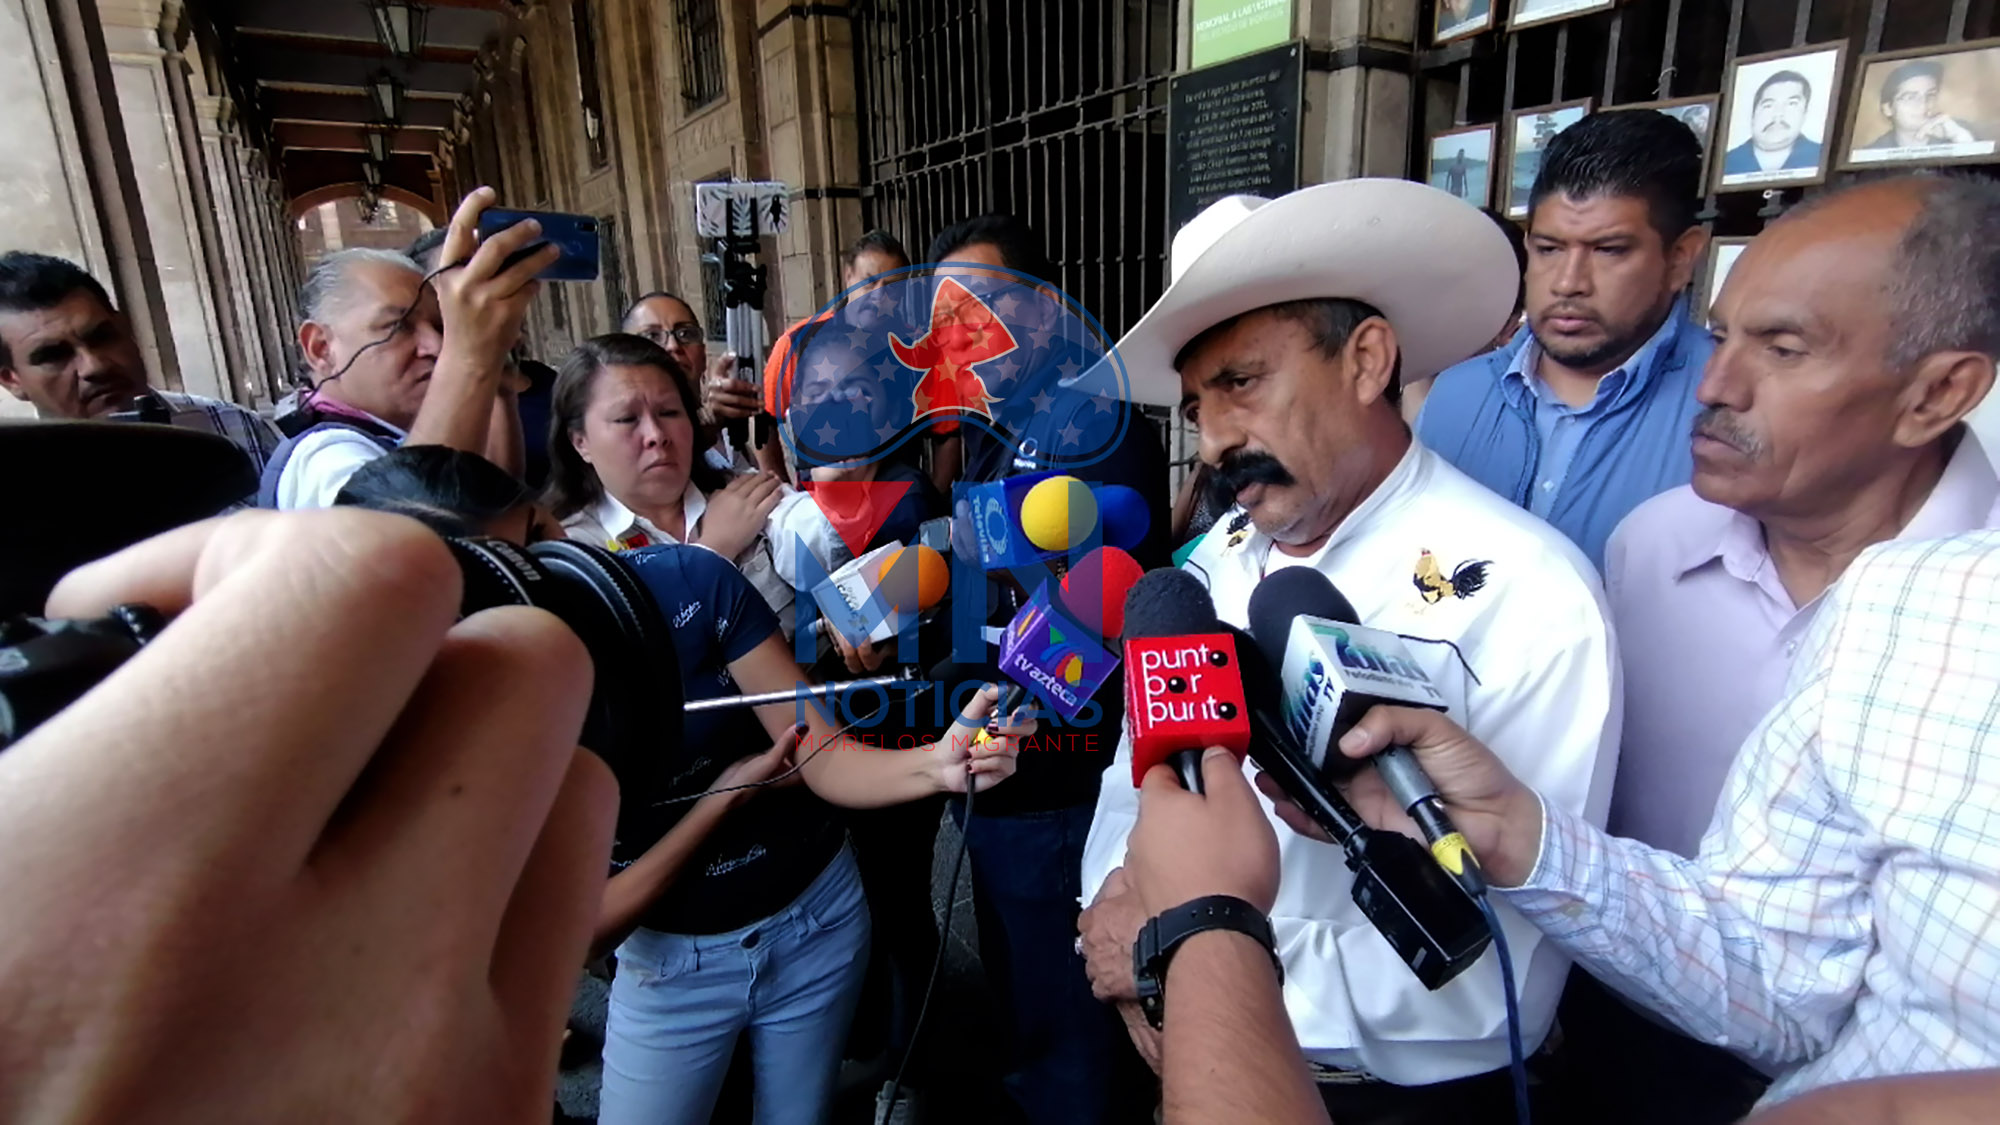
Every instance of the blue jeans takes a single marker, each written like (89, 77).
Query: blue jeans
(1065, 1050)
(679, 1001)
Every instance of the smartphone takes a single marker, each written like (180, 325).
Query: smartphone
(576, 235)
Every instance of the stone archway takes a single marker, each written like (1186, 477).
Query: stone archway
(333, 193)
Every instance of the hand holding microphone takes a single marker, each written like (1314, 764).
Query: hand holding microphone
(1500, 816)
(1189, 845)
(1335, 670)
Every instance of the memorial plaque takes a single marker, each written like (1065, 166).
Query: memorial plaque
(1234, 128)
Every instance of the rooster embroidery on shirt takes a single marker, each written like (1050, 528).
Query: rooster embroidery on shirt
(1468, 579)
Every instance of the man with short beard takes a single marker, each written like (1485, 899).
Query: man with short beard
(1585, 415)
(1290, 383)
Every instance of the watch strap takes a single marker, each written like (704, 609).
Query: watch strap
(1163, 935)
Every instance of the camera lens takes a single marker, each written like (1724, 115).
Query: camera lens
(635, 702)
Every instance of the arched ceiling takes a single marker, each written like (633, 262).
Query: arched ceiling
(311, 61)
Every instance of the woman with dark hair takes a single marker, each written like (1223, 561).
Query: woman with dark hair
(626, 470)
(454, 493)
(743, 913)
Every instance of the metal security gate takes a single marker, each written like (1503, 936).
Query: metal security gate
(1652, 50)
(1053, 110)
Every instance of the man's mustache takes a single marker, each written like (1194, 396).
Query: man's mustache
(1239, 471)
(1721, 425)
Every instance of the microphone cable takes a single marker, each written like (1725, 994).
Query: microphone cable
(1517, 1061)
(937, 964)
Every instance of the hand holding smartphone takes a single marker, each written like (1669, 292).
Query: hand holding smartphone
(575, 235)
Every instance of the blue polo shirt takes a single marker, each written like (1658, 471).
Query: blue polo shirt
(767, 852)
(1561, 425)
(1583, 469)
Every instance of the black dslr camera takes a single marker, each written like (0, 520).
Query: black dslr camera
(46, 665)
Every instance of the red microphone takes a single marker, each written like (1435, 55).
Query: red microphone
(1095, 589)
(1183, 682)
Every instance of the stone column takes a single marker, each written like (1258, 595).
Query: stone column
(1358, 89)
(272, 326)
(140, 68)
(67, 187)
(215, 118)
(813, 138)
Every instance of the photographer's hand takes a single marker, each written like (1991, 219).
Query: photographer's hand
(726, 397)
(481, 306)
(331, 855)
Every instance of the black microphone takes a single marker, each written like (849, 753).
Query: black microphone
(1432, 926)
(1350, 671)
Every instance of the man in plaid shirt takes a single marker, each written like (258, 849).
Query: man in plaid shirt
(1842, 919)
(68, 352)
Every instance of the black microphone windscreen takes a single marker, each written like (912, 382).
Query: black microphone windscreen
(1168, 603)
(1296, 591)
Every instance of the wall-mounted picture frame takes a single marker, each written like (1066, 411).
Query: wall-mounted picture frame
(1698, 113)
(1461, 162)
(1722, 255)
(1925, 106)
(1529, 132)
(1456, 19)
(1779, 118)
(1528, 13)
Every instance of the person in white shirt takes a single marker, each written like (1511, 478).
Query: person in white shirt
(69, 353)
(626, 470)
(395, 357)
(1287, 322)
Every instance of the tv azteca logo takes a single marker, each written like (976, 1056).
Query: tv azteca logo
(1030, 382)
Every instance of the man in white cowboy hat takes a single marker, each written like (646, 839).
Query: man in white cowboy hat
(1281, 338)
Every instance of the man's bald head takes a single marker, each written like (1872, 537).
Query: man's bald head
(1852, 336)
(1941, 274)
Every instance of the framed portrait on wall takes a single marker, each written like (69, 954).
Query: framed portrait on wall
(1697, 113)
(1461, 162)
(1456, 19)
(1722, 255)
(1931, 105)
(1778, 118)
(1528, 13)
(1529, 132)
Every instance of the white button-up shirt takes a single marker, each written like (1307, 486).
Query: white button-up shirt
(322, 462)
(1411, 559)
(1708, 633)
(770, 562)
(1843, 918)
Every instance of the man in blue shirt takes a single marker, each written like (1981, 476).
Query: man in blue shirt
(1587, 413)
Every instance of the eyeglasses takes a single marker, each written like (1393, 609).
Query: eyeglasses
(683, 334)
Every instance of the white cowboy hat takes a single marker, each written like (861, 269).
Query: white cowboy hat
(1439, 269)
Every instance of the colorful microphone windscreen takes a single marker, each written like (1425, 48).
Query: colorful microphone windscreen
(1095, 588)
(1126, 517)
(913, 579)
(1058, 512)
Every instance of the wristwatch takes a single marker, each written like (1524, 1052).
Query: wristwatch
(1164, 933)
